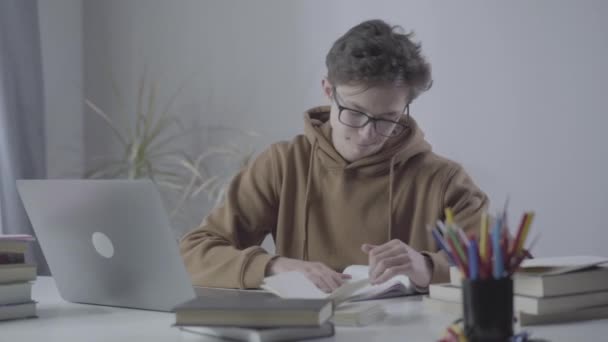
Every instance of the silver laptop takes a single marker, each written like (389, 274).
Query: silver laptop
(107, 242)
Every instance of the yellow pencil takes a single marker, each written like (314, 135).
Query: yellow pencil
(483, 239)
(524, 232)
(449, 216)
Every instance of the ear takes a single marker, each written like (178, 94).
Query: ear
(328, 88)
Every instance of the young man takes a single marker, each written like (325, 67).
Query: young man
(359, 187)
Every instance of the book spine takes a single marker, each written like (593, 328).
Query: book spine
(12, 258)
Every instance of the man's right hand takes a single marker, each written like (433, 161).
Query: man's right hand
(322, 276)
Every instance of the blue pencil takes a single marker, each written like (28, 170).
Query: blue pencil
(443, 245)
(498, 270)
(473, 260)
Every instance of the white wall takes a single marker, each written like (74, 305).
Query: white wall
(518, 96)
(61, 39)
(520, 99)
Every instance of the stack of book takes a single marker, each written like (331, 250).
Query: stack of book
(546, 291)
(289, 307)
(254, 316)
(15, 278)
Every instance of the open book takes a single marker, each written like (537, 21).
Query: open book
(560, 265)
(296, 285)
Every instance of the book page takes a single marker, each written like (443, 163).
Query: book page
(293, 285)
(348, 290)
(357, 271)
(296, 285)
(358, 313)
(399, 283)
(564, 261)
(560, 265)
(16, 237)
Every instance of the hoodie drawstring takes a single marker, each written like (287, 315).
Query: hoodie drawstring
(308, 180)
(390, 198)
(307, 193)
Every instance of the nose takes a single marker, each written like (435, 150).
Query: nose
(368, 132)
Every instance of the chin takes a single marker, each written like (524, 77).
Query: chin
(359, 153)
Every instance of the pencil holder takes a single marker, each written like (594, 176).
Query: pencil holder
(488, 309)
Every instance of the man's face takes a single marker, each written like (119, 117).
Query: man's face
(383, 102)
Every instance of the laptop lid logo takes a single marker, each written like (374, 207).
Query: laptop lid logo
(103, 245)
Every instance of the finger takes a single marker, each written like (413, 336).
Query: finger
(396, 242)
(382, 246)
(389, 252)
(329, 276)
(366, 247)
(332, 279)
(324, 288)
(391, 245)
(387, 263)
(337, 277)
(391, 272)
(325, 270)
(325, 285)
(384, 251)
(320, 283)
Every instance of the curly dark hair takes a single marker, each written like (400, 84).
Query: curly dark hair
(374, 52)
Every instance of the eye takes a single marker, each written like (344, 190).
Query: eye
(391, 117)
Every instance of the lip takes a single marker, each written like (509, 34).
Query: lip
(367, 145)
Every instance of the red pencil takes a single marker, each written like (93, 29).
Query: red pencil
(518, 235)
(487, 265)
(504, 247)
(482, 267)
(517, 261)
(524, 254)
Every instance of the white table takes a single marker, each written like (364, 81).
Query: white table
(408, 320)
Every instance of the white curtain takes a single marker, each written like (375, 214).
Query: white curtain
(22, 138)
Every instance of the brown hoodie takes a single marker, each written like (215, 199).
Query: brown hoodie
(319, 207)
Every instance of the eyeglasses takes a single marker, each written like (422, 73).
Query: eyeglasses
(357, 119)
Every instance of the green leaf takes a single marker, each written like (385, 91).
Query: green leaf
(168, 174)
(139, 107)
(103, 171)
(161, 125)
(118, 173)
(108, 121)
(207, 184)
(155, 146)
(117, 93)
(172, 99)
(189, 166)
(169, 185)
(149, 116)
(184, 197)
(165, 154)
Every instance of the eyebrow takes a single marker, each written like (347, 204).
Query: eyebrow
(363, 110)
